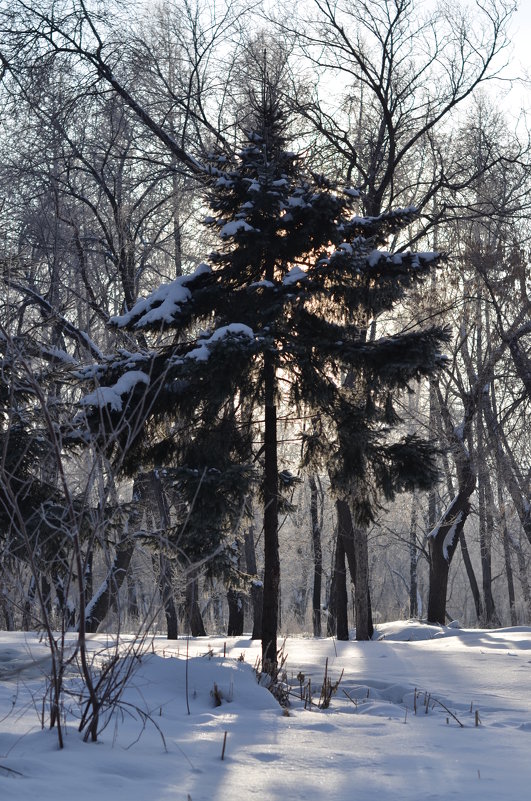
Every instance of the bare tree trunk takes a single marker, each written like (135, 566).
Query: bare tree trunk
(471, 576)
(506, 551)
(476, 595)
(89, 572)
(517, 486)
(486, 524)
(107, 595)
(443, 538)
(28, 620)
(442, 543)
(317, 557)
(523, 575)
(133, 610)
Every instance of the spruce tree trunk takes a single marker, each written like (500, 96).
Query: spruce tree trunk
(413, 560)
(166, 592)
(353, 539)
(257, 587)
(236, 617)
(331, 617)
(165, 571)
(340, 591)
(317, 558)
(364, 628)
(271, 554)
(194, 619)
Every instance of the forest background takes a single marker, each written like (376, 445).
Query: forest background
(118, 123)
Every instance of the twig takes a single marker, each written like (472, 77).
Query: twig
(11, 770)
(224, 744)
(350, 698)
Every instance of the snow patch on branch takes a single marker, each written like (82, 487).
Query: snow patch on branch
(162, 304)
(59, 355)
(112, 396)
(294, 275)
(234, 227)
(418, 260)
(202, 352)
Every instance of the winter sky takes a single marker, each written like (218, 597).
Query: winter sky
(519, 58)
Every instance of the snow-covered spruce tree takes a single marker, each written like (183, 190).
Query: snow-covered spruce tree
(283, 305)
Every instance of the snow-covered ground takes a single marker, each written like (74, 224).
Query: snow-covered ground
(370, 743)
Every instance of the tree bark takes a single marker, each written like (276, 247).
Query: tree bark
(271, 554)
(257, 587)
(107, 596)
(413, 560)
(194, 619)
(165, 571)
(517, 487)
(354, 542)
(317, 557)
(443, 539)
(523, 575)
(166, 592)
(506, 552)
(236, 616)
(471, 576)
(339, 591)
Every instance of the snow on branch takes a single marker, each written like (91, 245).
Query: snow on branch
(112, 396)
(162, 305)
(294, 275)
(202, 352)
(235, 227)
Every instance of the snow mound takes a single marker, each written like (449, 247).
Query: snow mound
(210, 679)
(413, 631)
